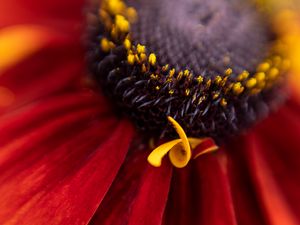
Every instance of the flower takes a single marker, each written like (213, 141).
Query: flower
(67, 158)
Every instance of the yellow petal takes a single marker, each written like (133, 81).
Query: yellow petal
(18, 42)
(179, 157)
(157, 154)
(208, 150)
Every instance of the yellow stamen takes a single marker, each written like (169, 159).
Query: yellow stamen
(251, 83)
(263, 67)
(165, 67)
(199, 79)
(127, 43)
(106, 45)
(122, 24)
(115, 6)
(237, 88)
(273, 73)
(171, 92)
(152, 59)
(141, 49)
(260, 77)
(186, 73)
(172, 72)
(244, 75)
(130, 59)
(187, 92)
(131, 14)
(143, 57)
(218, 80)
(223, 102)
(228, 72)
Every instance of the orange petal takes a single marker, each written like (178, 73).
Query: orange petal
(18, 42)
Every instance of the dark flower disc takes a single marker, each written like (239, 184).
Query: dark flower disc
(215, 66)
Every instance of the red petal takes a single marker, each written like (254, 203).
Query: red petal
(245, 200)
(66, 16)
(58, 66)
(273, 155)
(273, 200)
(58, 169)
(117, 203)
(152, 197)
(180, 206)
(204, 196)
(138, 194)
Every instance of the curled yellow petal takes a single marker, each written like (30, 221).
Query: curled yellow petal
(18, 42)
(208, 150)
(182, 135)
(180, 150)
(179, 156)
(157, 154)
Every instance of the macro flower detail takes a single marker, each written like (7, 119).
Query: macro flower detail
(76, 148)
(214, 84)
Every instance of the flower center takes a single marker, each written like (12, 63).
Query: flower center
(213, 66)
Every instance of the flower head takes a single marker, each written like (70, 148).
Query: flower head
(69, 155)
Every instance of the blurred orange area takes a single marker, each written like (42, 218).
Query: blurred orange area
(18, 42)
(286, 21)
(287, 24)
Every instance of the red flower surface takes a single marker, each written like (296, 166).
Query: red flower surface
(65, 158)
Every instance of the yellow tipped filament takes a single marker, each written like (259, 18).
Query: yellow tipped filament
(228, 72)
(127, 43)
(122, 24)
(143, 57)
(152, 59)
(141, 49)
(171, 92)
(172, 72)
(244, 75)
(273, 73)
(130, 59)
(237, 88)
(251, 83)
(223, 102)
(263, 67)
(186, 73)
(132, 15)
(187, 92)
(180, 75)
(261, 76)
(165, 67)
(200, 79)
(218, 79)
(106, 45)
(115, 6)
